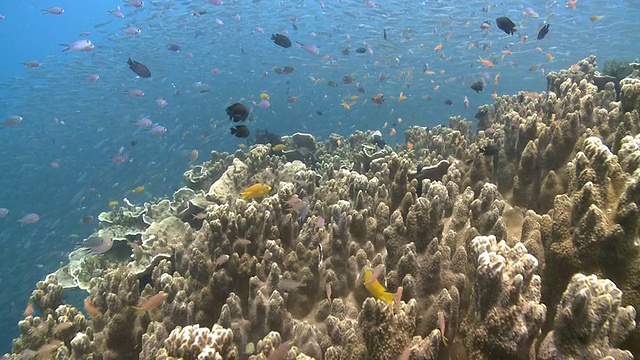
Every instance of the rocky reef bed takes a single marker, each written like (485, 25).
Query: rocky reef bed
(518, 242)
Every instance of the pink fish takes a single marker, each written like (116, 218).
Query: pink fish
(132, 30)
(30, 218)
(221, 260)
(3, 212)
(12, 120)
(258, 29)
(214, 71)
(309, 48)
(55, 165)
(215, 2)
(321, 4)
(117, 13)
(376, 272)
(465, 101)
(78, 46)
(92, 77)
(219, 22)
(143, 123)
(120, 158)
(320, 222)
(264, 103)
(135, 92)
(158, 130)
(328, 290)
(238, 18)
(162, 102)
(56, 10)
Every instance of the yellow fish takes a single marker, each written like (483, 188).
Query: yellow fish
(138, 190)
(113, 204)
(265, 96)
(376, 289)
(279, 147)
(353, 97)
(255, 191)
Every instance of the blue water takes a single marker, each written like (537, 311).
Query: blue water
(81, 125)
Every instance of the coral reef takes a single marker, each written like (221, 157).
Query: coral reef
(476, 236)
(590, 322)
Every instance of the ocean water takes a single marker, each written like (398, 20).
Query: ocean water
(58, 163)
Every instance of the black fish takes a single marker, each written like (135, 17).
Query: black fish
(482, 114)
(505, 24)
(384, 33)
(238, 112)
(139, 69)
(361, 50)
(477, 86)
(240, 131)
(489, 150)
(173, 47)
(319, 113)
(543, 32)
(448, 102)
(281, 40)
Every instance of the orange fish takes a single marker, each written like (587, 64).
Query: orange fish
(153, 302)
(486, 62)
(438, 48)
(392, 132)
(549, 57)
(409, 145)
(90, 308)
(523, 39)
(29, 310)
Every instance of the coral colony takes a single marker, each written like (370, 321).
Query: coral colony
(503, 244)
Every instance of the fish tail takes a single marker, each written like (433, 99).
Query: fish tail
(387, 297)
